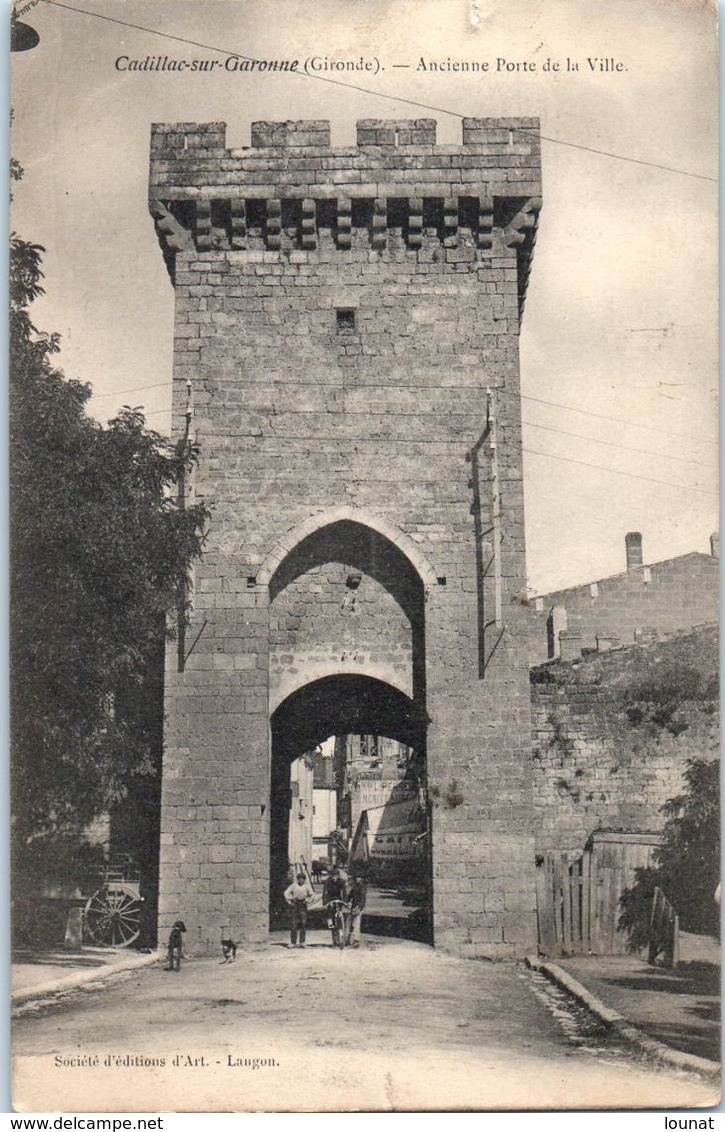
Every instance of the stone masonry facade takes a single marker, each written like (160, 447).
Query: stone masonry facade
(346, 357)
(640, 604)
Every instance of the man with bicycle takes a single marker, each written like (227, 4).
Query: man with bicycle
(334, 899)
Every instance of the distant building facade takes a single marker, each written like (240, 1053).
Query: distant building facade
(372, 769)
(641, 604)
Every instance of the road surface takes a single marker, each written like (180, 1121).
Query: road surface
(391, 1026)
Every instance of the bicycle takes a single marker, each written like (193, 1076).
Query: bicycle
(337, 910)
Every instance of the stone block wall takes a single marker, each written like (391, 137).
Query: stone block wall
(612, 734)
(319, 626)
(347, 321)
(645, 602)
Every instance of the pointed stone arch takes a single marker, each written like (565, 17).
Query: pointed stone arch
(363, 518)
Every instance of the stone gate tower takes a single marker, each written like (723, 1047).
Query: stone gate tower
(346, 354)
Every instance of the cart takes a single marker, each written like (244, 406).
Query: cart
(112, 914)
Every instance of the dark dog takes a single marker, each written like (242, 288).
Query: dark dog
(229, 950)
(175, 945)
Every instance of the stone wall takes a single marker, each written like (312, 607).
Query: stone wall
(346, 339)
(319, 624)
(612, 734)
(645, 602)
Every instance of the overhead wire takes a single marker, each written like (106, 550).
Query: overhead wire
(624, 447)
(359, 441)
(442, 110)
(618, 420)
(133, 389)
(374, 93)
(617, 472)
(530, 424)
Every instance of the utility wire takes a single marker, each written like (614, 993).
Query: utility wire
(374, 93)
(531, 424)
(134, 389)
(619, 157)
(455, 114)
(531, 451)
(358, 441)
(436, 109)
(625, 447)
(619, 420)
(615, 472)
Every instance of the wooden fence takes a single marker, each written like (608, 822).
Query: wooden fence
(577, 898)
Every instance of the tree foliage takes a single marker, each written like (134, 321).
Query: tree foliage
(100, 554)
(686, 866)
(663, 686)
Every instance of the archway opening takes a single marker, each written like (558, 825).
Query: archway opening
(348, 751)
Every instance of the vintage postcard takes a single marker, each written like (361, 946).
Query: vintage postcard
(365, 555)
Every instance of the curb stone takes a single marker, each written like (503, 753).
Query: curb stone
(82, 978)
(617, 1022)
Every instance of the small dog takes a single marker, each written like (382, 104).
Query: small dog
(229, 950)
(175, 946)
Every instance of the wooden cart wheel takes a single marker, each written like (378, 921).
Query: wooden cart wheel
(112, 915)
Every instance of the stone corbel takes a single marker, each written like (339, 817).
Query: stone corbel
(309, 225)
(523, 223)
(202, 224)
(415, 222)
(239, 223)
(520, 233)
(450, 221)
(380, 223)
(173, 236)
(344, 222)
(485, 223)
(274, 225)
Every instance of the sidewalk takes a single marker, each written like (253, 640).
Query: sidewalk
(36, 974)
(678, 1008)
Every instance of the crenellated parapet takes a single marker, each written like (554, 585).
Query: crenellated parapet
(396, 190)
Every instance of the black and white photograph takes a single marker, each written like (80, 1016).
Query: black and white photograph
(364, 556)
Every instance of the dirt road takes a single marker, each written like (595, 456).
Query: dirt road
(391, 1026)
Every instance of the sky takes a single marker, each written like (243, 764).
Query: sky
(619, 336)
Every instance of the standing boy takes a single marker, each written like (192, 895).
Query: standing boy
(299, 896)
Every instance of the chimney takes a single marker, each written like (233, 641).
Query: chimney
(715, 544)
(633, 543)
